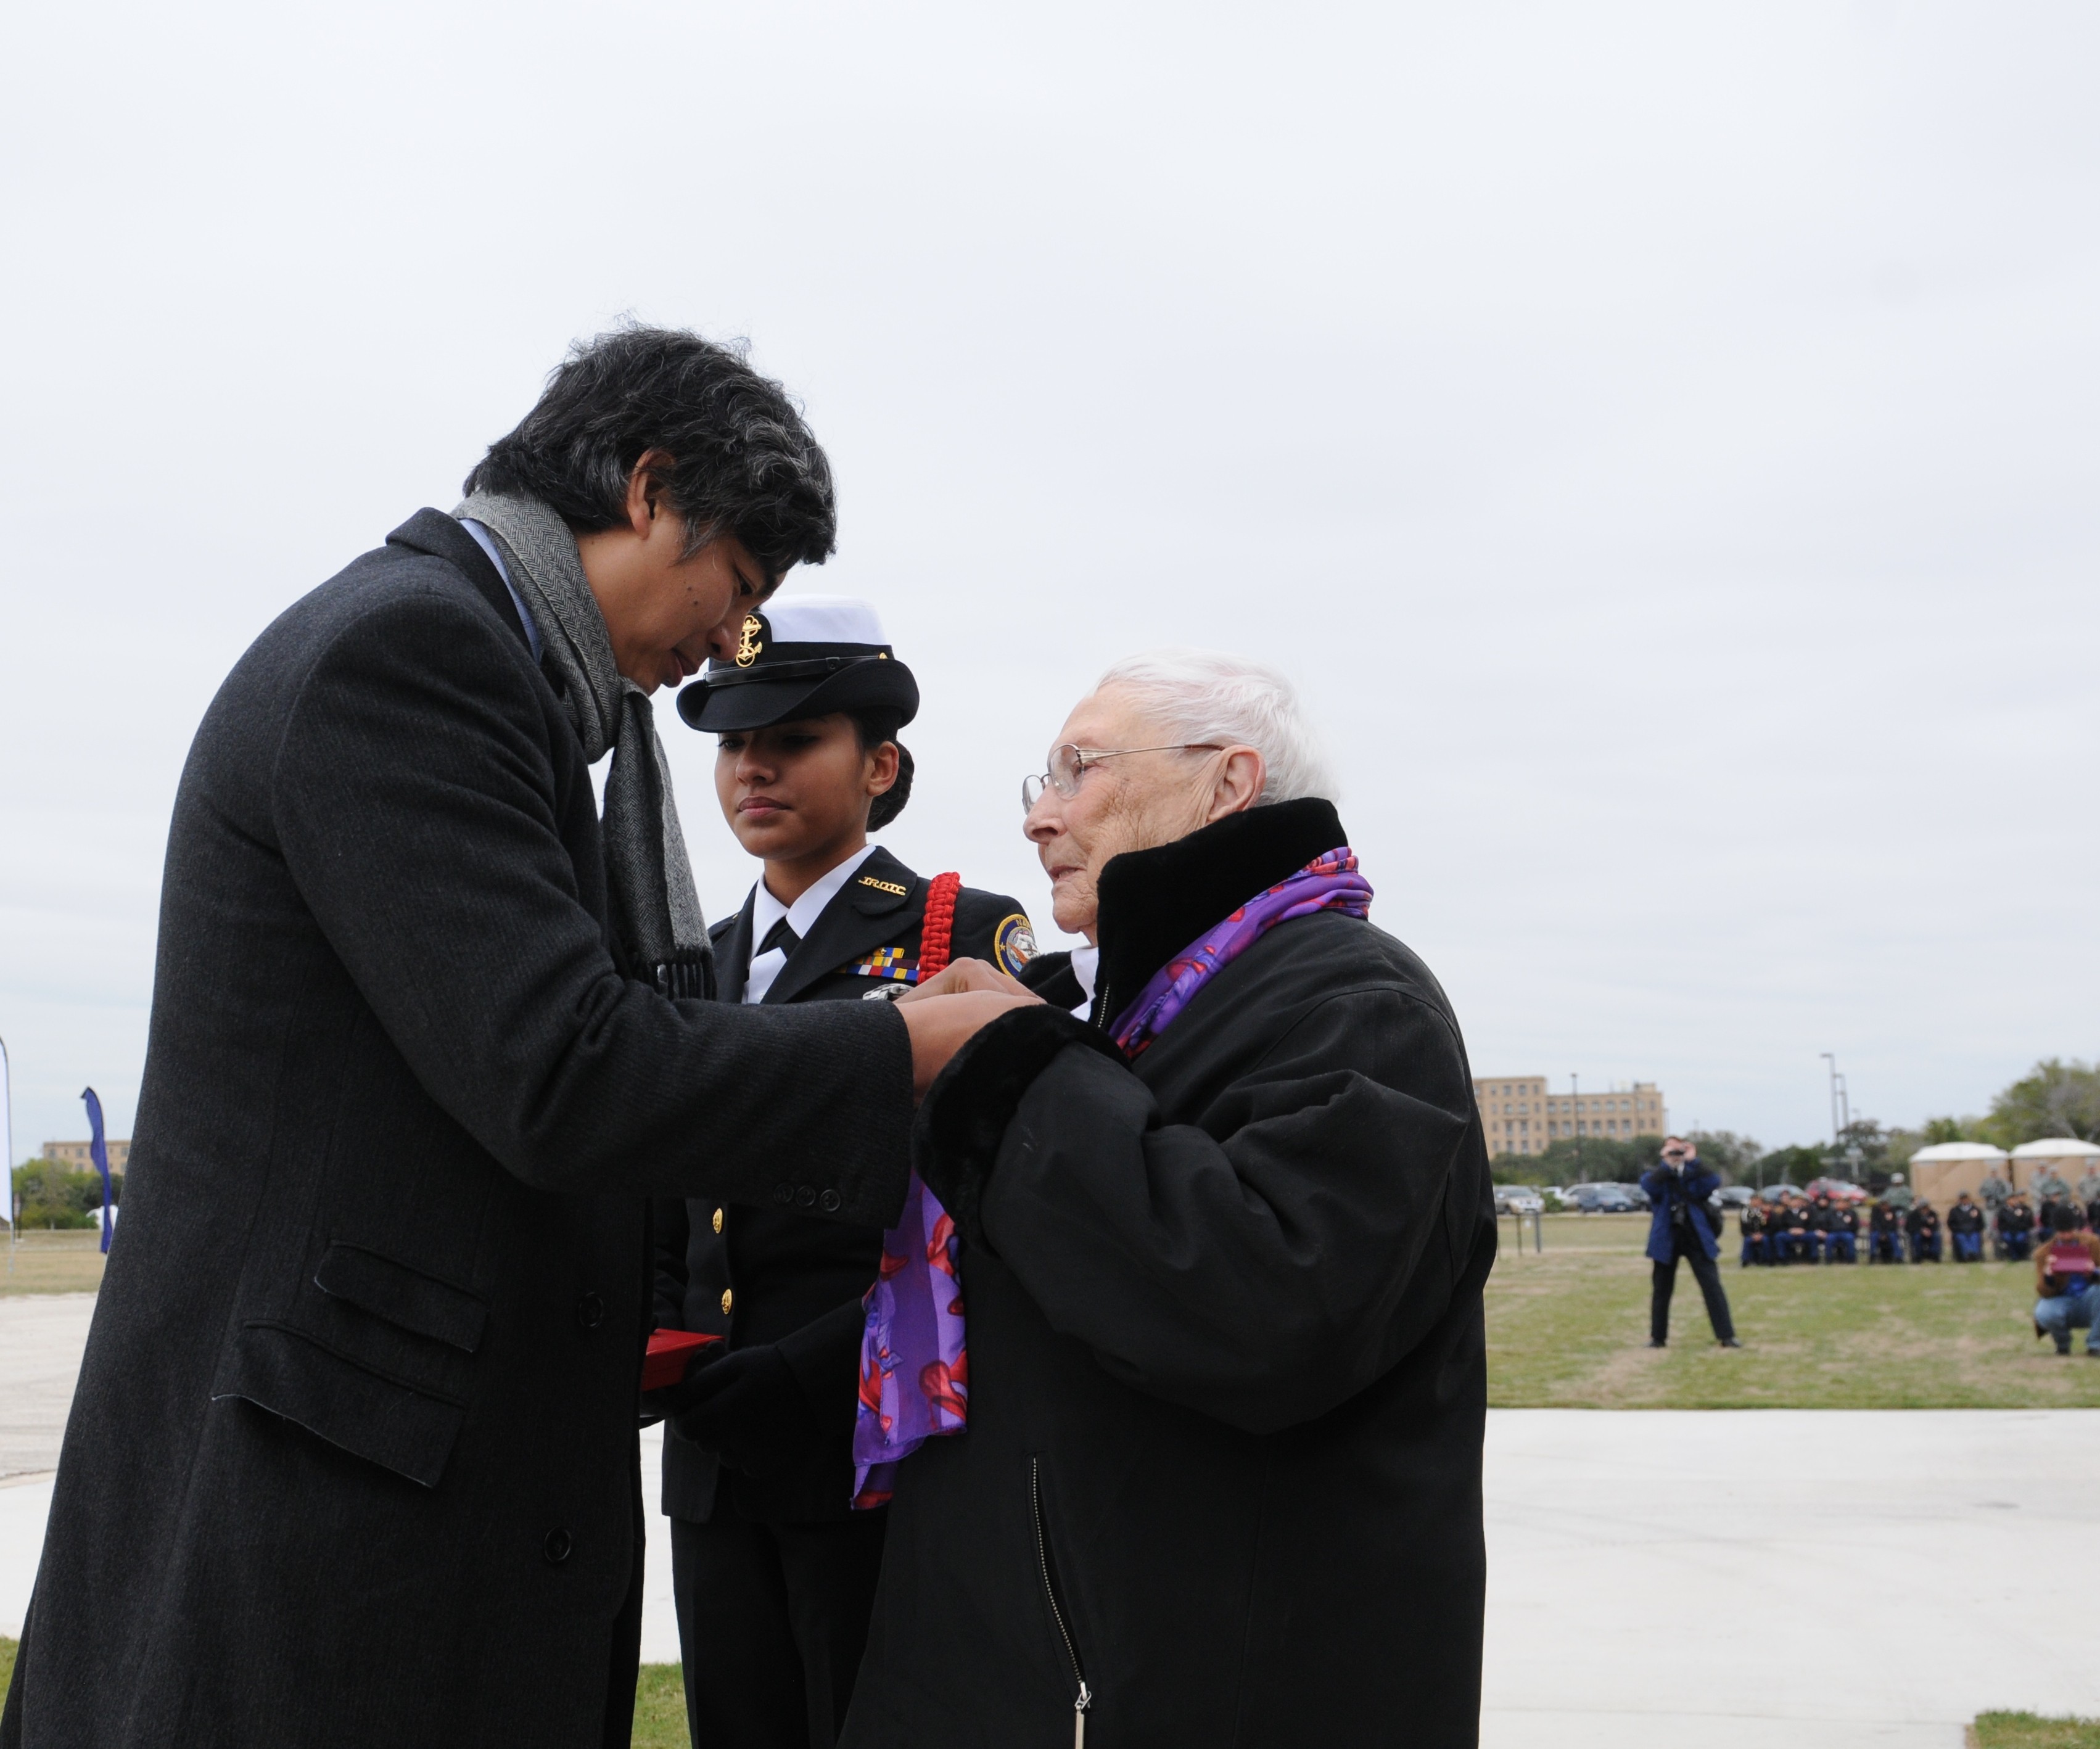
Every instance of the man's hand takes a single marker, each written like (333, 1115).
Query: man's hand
(960, 976)
(941, 1025)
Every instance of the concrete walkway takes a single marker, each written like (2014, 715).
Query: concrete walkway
(1773, 1580)
(41, 1336)
(1784, 1577)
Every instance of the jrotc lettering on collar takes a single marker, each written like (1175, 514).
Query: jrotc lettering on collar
(883, 886)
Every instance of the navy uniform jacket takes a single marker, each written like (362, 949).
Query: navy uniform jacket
(778, 1271)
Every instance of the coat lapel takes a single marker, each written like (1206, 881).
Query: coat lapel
(863, 916)
(733, 952)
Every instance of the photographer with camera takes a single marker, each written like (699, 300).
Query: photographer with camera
(1679, 1191)
(2066, 1268)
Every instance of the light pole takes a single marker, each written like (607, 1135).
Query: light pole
(1833, 1061)
(1575, 1100)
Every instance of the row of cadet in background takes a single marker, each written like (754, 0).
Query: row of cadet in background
(1790, 1227)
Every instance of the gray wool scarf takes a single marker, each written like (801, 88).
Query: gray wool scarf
(656, 909)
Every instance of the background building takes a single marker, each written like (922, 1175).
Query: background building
(1521, 1116)
(75, 1156)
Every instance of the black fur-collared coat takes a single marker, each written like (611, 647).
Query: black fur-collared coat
(1221, 1481)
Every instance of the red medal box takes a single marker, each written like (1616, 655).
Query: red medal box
(671, 1352)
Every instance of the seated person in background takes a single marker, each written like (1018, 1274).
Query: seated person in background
(1922, 1226)
(2064, 1274)
(1885, 1233)
(1898, 1194)
(2016, 1227)
(773, 1573)
(1751, 1223)
(1225, 1214)
(1821, 1221)
(1840, 1238)
(2049, 1190)
(1799, 1244)
(1965, 1229)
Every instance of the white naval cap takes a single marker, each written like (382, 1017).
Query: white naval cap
(822, 619)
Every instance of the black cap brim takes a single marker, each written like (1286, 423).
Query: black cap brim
(874, 684)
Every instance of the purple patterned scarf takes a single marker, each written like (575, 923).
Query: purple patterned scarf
(915, 1375)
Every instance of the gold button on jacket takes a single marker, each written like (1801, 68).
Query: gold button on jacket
(728, 1297)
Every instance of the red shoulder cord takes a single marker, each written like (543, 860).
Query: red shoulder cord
(936, 933)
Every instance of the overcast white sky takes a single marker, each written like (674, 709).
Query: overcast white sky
(1660, 440)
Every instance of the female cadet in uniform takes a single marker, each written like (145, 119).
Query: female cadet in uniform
(774, 1575)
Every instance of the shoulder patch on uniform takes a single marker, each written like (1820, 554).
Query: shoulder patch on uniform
(1013, 943)
(885, 886)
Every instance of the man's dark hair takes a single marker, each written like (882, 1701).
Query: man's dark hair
(2063, 1219)
(872, 729)
(743, 462)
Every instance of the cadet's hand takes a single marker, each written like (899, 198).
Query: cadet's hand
(750, 1409)
(667, 1404)
(962, 975)
(940, 1025)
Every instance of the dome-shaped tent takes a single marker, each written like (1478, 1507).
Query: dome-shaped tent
(2066, 1156)
(1944, 1171)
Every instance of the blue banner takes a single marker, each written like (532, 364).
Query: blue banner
(100, 1149)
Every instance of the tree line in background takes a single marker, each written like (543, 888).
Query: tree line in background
(2055, 1098)
(49, 1194)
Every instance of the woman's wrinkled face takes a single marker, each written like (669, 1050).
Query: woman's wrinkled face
(1128, 804)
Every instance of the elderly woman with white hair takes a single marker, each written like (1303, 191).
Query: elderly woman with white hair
(1219, 1204)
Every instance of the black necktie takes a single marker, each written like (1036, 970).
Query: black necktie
(780, 936)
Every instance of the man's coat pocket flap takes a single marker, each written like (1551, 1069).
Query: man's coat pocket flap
(380, 1420)
(402, 1296)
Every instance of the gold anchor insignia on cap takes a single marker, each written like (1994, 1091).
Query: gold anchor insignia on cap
(750, 640)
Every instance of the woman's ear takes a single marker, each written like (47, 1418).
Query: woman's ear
(881, 769)
(1242, 775)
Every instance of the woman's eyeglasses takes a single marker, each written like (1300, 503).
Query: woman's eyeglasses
(1069, 763)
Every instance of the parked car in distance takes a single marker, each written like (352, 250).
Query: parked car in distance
(1604, 1199)
(1526, 1201)
(1733, 1196)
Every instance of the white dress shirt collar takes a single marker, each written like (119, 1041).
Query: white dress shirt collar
(802, 915)
(1086, 967)
(487, 542)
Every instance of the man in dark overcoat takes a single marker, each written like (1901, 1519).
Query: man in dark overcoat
(353, 1460)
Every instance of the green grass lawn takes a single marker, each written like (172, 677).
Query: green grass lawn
(47, 1263)
(2025, 1730)
(660, 1709)
(1568, 1330)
